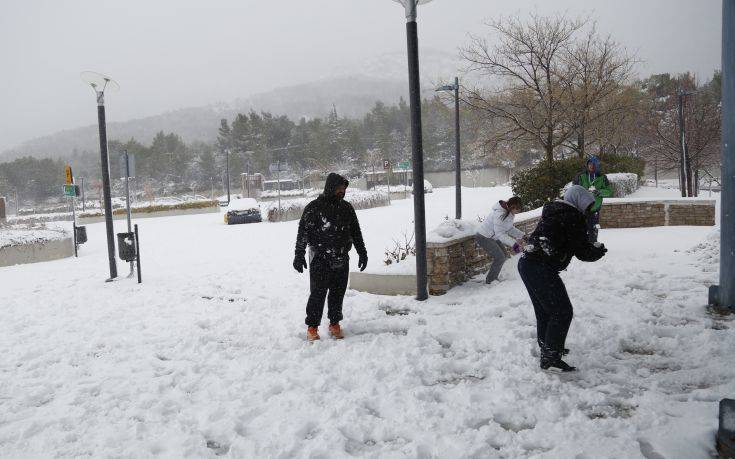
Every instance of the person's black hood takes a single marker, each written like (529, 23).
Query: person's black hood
(333, 181)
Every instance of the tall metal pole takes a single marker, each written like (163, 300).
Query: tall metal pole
(74, 224)
(106, 184)
(127, 200)
(84, 202)
(724, 294)
(457, 164)
(227, 152)
(278, 181)
(419, 212)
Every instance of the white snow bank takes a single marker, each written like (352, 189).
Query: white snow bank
(451, 230)
(405, 266)
(11, 235)
(401, 188)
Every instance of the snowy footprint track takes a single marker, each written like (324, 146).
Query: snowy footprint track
(120, 370)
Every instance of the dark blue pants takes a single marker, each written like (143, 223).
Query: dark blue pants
(325, 277)
(550, 301)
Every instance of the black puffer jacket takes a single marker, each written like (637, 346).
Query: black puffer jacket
(560, 235)
(329, 225)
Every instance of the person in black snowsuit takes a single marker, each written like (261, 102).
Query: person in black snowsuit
(560, 235)
(329, 227)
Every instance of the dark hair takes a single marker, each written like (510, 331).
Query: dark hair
(512, 203)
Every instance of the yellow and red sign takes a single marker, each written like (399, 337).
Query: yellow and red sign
(69, 176)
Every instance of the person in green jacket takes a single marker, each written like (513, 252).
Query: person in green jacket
(596, 182)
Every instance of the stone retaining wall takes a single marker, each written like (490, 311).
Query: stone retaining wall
(36, 252)
(639, 214)
(454, 262)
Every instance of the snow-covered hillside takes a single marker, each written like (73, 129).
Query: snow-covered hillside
(207, 357)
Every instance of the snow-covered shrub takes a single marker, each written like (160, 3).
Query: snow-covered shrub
(623, 183)
(150, 207)
(267, 194)
(291, 209)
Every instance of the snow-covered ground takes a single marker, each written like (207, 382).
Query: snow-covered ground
(207, 357)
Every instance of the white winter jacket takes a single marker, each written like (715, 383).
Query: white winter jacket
(494, 227)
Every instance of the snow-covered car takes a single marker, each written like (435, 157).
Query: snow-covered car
(428, 188)
(243, 210)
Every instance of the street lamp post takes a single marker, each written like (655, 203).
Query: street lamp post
(414, 87)
(227, 172)
(99, 84)
(84, 203)
(457, 163)
(723, 295)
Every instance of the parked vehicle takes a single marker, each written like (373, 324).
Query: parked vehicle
(243, 210)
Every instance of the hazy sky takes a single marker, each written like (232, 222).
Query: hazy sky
(168, 54)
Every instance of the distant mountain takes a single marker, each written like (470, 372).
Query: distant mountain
(352, 90)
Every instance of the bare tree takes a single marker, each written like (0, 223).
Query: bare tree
(599, 70)
(702, 124)
(529, 59)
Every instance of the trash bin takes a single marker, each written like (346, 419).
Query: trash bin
(126, 246)
(81, 234)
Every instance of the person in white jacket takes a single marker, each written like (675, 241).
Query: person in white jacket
(497, 229)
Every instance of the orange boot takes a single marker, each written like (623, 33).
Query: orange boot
(336, 331)
(312, 333)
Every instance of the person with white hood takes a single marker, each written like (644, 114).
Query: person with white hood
(560, 235)
(497, 229)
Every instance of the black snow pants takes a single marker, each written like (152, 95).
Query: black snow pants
(550, 302)
(325, 276)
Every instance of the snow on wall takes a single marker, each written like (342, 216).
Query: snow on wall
(12, 235)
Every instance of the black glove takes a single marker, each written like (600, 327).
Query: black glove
(299, 263)
(601, 247)
(362, 262)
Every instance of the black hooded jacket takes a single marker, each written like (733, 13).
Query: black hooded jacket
(329, 225)
(560, 235)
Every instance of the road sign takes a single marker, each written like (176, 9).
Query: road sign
(403, 165)
(386, 164)
(131, 164)
(71, 190)
(69, 176)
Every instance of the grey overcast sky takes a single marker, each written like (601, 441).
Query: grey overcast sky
(169, 54)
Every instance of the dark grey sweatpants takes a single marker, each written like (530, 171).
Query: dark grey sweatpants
(494, 251)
